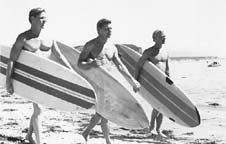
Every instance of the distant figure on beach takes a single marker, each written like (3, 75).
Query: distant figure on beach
(91, 56)
(214, 64)
(160, 58)
(29, 40)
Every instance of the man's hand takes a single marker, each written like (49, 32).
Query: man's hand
(95, 62)
(136, 86)
(167, 73)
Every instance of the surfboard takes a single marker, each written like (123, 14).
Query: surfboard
(160, 91)
(116, 100)
(46, 82)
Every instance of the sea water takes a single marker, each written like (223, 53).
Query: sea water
(205, 86)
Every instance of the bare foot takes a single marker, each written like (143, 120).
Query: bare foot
(30, 139)
(151, 127)
(160, 136)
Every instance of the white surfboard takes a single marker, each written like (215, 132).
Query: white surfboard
(46, 82)
(160, 91)
(116, 100)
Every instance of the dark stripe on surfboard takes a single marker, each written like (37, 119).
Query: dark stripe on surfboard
(50, 90)
(183, 104)
(157, 94)
(126, 58)
(52, 79)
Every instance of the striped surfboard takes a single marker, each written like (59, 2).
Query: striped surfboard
(160, 91)
(46, 82)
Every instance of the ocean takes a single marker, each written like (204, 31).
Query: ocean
(205, 86)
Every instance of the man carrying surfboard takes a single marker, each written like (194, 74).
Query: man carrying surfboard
(160, 58)
(27, 41)
(94, 55)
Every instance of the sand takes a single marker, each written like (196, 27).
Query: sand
(66, 127)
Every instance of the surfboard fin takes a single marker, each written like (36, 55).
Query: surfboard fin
(171, 119)
(169, 81)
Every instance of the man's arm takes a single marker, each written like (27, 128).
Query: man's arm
(167, 68)
(120, 65)
(140, 64)
(124, 70)
(14, 54)
(84, 61)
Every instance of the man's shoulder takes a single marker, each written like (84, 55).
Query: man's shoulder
(91, 42)
(23, 35)
(89, 45)
(148, 50)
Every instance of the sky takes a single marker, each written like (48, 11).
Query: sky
(190, 26)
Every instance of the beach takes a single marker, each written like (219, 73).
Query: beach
(205, 87)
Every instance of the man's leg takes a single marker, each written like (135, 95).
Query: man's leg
(159, 122)
(93, 122)
(154, 115)
(158, 125)
(35, 125)
(30, 132)
(105, 130)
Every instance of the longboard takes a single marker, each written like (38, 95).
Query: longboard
(46, 82)
(160, 91)
(116, 100)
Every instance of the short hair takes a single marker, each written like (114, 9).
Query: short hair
(35, 12)
(102, 22)
(157, 33)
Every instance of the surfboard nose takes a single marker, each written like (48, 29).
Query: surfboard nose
(144, 123)
(134, 121)
(195, 119)
(198, 119)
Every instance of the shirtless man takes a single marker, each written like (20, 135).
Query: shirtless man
(160, 58)
(90, 57)
(27, 41)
